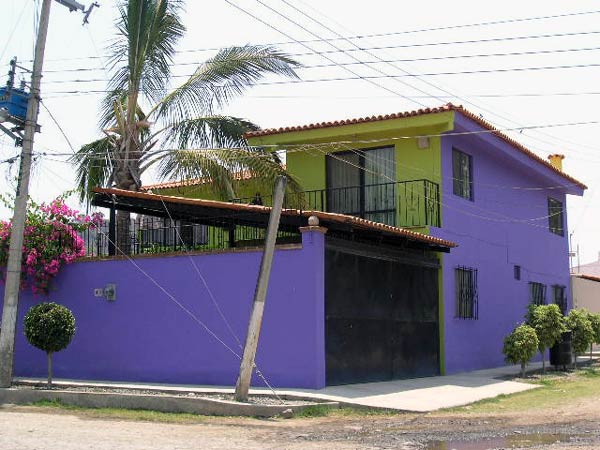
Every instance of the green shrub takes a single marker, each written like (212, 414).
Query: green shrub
(549, 325)
(49, 327)
(578, 321)
(595, 321)
(520, 346)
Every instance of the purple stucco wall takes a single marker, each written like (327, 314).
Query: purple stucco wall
(505, 225)
(144, 336)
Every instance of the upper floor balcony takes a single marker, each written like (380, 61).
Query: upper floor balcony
(414, 203)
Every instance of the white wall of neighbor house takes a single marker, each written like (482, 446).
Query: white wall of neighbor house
(586, 293)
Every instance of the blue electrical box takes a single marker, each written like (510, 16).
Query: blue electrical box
(15, 101)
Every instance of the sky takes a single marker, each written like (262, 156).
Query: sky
(521, 73)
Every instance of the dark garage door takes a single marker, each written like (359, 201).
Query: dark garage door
(381, 317)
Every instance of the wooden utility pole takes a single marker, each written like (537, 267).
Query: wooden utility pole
(15, 255)
(260, 294)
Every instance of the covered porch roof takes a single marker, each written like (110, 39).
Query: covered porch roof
(219, 213)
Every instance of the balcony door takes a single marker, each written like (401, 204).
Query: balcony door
(363, 183)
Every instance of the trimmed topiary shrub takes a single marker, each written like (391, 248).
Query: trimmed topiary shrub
(579, 323)
(49, 327)
(520, 346)
(549, 325)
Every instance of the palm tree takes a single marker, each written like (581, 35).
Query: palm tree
(179, 132)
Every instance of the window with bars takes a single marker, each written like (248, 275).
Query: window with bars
(462, 174)
(466, 293)
(560, 297)
(537, 293)
(555, 216)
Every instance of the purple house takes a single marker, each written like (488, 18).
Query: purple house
(447, 173)
(435, 231)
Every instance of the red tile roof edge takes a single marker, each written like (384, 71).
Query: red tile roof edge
(334, 217)
(586, 277)
(420, 112)
(243, 175)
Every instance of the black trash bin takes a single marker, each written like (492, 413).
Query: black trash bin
(561, 354)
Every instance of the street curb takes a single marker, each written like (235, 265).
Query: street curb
(162, 403)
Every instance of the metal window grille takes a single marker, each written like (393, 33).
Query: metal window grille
(462, 174)
(555, 217)
(537, 293)
(560, 297)
(467, 306)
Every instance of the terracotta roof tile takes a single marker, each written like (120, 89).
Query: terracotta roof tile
(244, 175)
(419, 112)
(586, 277)
(331, 217)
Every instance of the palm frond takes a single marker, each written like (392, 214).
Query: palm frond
(147, 33)
(209, 132)
(227, 75)
(218, 168)
(93, 166)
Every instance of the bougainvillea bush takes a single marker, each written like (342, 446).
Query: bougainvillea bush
(51, 240)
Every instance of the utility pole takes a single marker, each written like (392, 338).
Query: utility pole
(260, 294)
(15, 256)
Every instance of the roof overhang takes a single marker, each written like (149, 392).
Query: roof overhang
(427, 121)
(218, 213)
(412, 123)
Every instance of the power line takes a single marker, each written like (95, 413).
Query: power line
(370, 81)
(375, 77)
(377, 35)
(58, 126)
(12, 32)
(427, 58)
(435, 86)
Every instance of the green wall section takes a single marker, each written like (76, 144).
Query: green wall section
(307, 161)
(243, 188)
(441, 319)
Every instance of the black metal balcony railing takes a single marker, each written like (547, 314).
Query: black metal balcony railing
(153, 235)
(414, 203)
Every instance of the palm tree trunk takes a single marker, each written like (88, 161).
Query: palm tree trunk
(49, 369)
(123, 233)
(522, 370)
(124, 180)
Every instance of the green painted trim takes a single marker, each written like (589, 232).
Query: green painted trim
(441, 311)
(435, 123)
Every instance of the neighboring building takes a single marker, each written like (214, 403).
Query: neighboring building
(586, 291)
(592, 269)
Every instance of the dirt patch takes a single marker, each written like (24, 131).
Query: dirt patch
(263, 399)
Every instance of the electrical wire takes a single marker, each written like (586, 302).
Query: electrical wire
(378, 35)
(372, 77)
(396, 66)
(12, 32)
(392, 138)
(323, 65)
(216, 304)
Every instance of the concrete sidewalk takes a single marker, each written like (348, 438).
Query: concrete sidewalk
(415, 395)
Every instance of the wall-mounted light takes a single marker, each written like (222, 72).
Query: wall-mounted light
(109, 292)
(423, 142)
